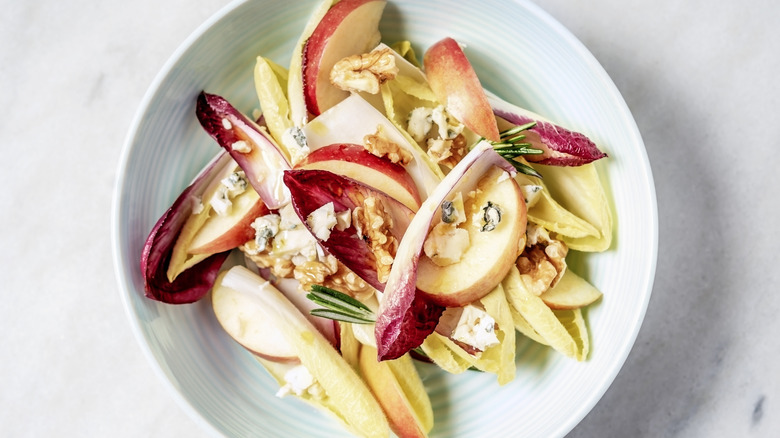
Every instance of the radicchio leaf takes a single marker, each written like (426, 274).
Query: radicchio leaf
(250, 146)
(561, 146)
(311, 189)
(192, 284)
(405, 319)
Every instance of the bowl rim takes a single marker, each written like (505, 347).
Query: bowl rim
(120, 262)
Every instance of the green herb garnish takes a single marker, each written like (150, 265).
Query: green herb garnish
(511, 146)
(339, 306)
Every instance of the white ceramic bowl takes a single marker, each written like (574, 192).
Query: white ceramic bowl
(520, 53)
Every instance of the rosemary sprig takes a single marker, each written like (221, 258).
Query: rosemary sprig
(339, 306)
(511, 146)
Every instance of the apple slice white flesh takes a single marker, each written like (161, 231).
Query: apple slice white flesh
(181, 257)
(456, 85)
(287, 333)
(225, 232)
(571, 292)
(291, 289)
(354, 161)
(298, 113)
(351, 120)
(490, 253)
(241, 305)
(350, 27)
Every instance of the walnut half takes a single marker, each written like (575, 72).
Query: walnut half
(543, 262)
(364, 72)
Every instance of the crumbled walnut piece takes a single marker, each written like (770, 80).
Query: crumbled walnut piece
(379, 145)
(364, 72)
(373, 225)
(346, 281)
(280, 267)
(447, 152)
(315, 271)
(543, 262)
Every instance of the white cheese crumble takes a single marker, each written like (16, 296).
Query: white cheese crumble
(266, 227)
(294, 140)
(231, 186)
(235, 183)
(293, 239)
(299, 381)
(446, 244)
(476, 328)
(343, 219)
(197, 204)
(420, 122)
(241, 146)
(531, 193)
(322, 220)
(449, 128)
(221, 202)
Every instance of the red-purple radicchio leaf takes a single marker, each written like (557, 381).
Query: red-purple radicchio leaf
(560, 146)
(192, 284)
(311, 189)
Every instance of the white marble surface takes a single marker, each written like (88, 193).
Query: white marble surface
(700, 79)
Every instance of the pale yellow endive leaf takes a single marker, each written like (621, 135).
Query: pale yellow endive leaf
(575, 324)
(551, 215)
(502, 355)
(441, 350)
(580, 191)
(540, 317)
(273, 101)
(412, 386)
(349, 346)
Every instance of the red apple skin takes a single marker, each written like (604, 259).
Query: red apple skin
(350, 27)
(354, 161)
(456, 85)
(238, 234)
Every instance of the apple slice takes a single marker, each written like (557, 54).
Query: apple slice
(489, 255)
(571, 292)
(354, 118)
(291, 289)
(405, 318)
(354, 161)
(225, 232)
(456, 85)
(399, 390)
(241, 309)
(180, 258)
(287, 333)
(298, 113)
(350, 27)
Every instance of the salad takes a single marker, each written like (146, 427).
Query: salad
(379, 211)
